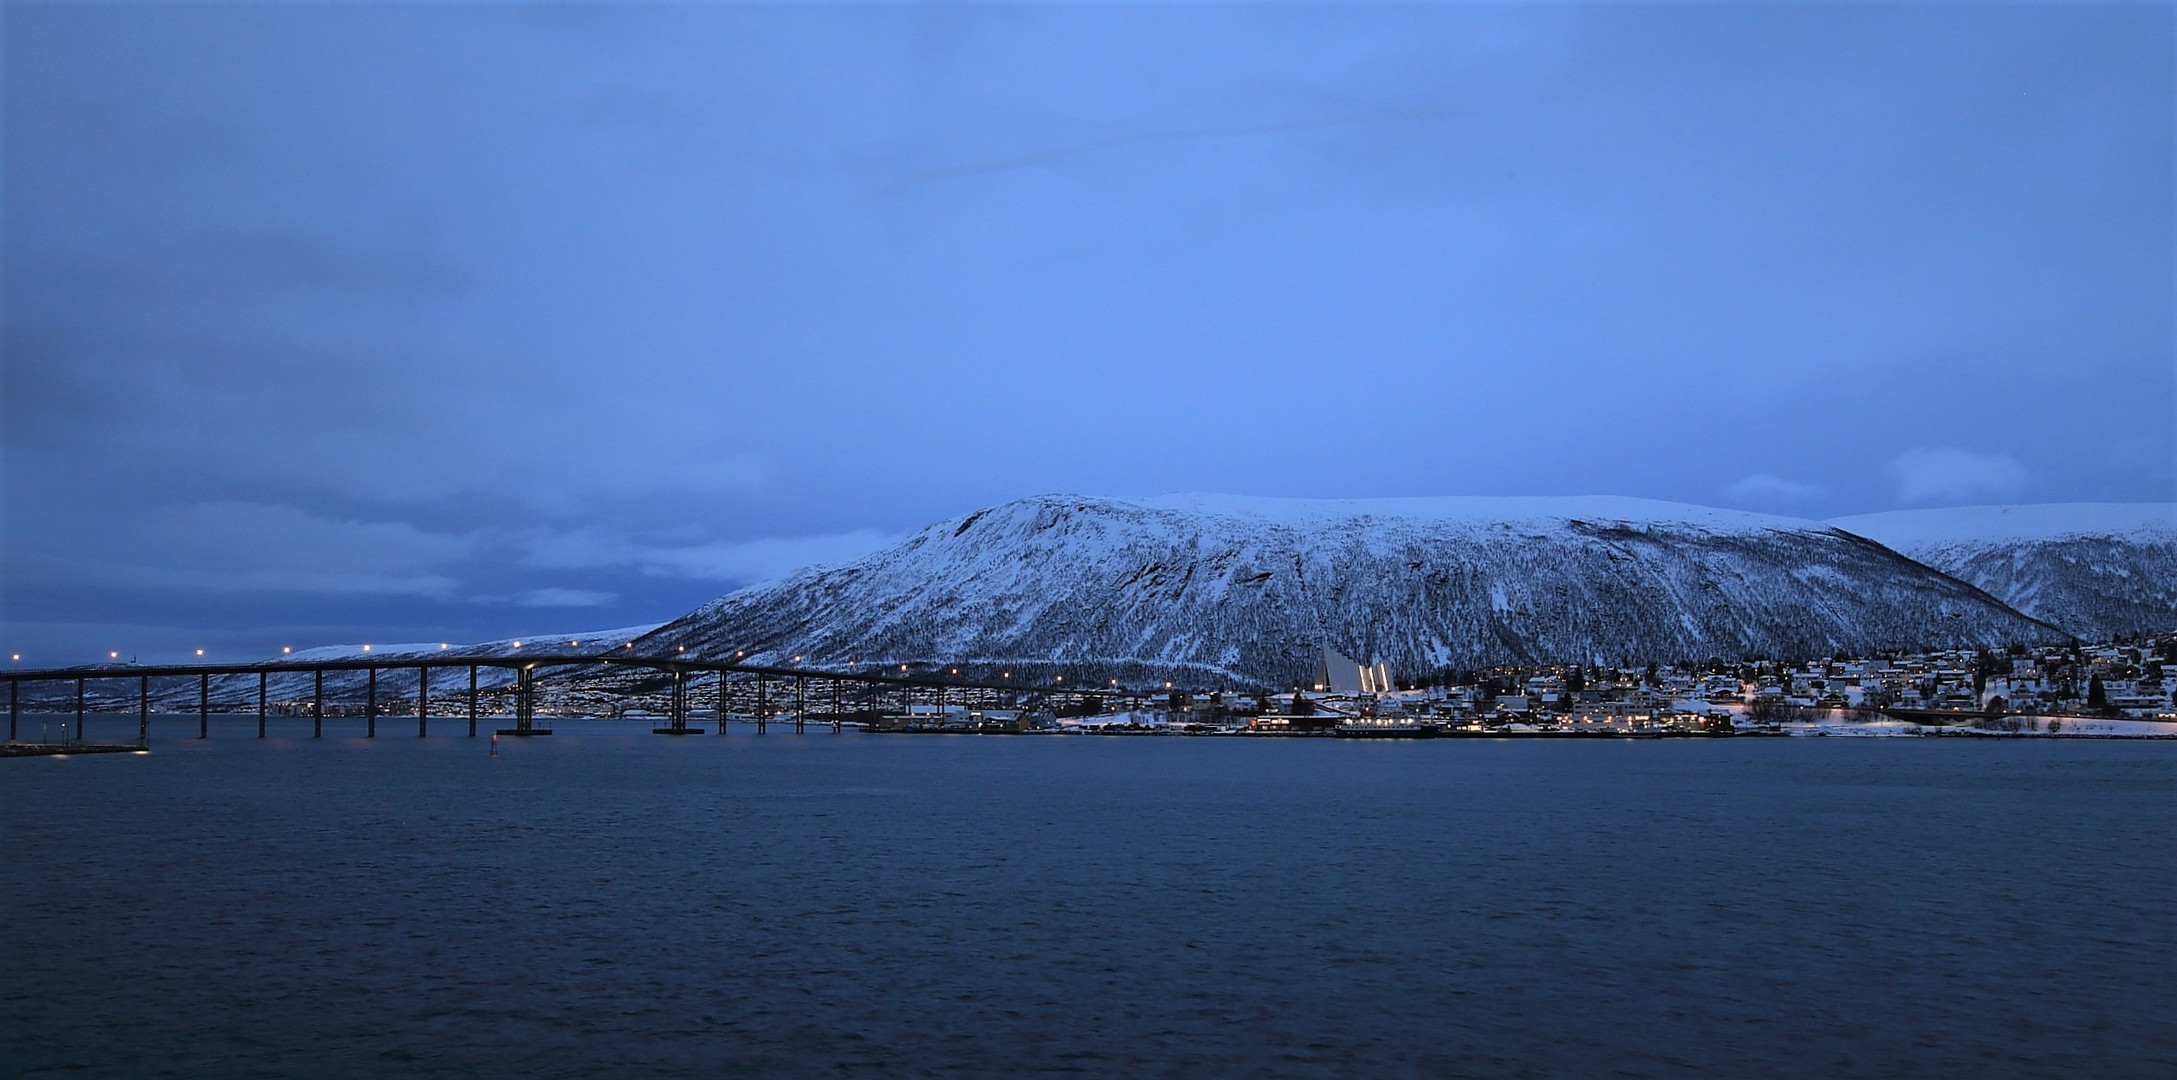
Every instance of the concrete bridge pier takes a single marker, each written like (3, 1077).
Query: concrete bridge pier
(722, 711)
(525, 704)
(677, 708)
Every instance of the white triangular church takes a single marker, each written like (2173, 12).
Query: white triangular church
(1337, 673)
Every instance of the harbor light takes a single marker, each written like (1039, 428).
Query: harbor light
(113, 656)
(200, 652)
(516, 645)
(366, 648)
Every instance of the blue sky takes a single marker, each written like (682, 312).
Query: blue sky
(382, 322)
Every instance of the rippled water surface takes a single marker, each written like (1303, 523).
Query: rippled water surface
(608, 902)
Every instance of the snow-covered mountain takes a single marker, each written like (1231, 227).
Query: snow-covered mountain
(2095, 569)
(1210, 590)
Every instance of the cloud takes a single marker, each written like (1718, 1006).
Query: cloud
(1950, 475)
(1056, 154)
(1763, 488)
(740, 561)
(244, 546)
(566, 598)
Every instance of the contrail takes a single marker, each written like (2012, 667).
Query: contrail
(1043, 157)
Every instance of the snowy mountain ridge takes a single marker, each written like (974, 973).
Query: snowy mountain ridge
(2099, 570)
(1908, 529)
(1223, 589)
(1467, 509)
(427, 650)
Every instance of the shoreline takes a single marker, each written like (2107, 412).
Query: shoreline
(42, 749)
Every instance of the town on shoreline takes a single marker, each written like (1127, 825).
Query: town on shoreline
(2117, 689)
(2114, 689)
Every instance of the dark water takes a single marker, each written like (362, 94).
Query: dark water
(607, 902)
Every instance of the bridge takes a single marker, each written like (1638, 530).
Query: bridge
(875, 691)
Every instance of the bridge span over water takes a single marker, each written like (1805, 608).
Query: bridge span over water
(736, 690)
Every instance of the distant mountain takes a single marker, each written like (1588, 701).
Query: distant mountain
(1219, 590)
(181, 694)
(2095, 569)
